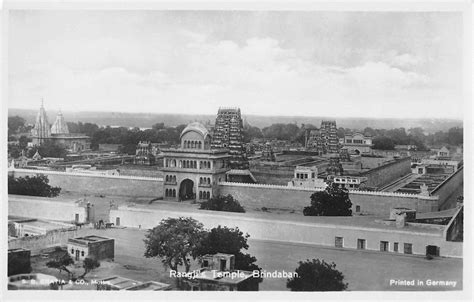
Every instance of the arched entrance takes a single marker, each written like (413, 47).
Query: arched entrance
(186, 190)
(357, 152)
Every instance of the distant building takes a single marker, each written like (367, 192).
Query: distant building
(307, 177)
(323, 140)
(267, 153)
(228, 133)
(144, 154)
(95, 247)
(357, 143)
(218, 274)
(349, 182)
(57, 133)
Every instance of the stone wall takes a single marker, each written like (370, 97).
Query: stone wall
(296, 232)
(450, 189)
(38, 243)
(256, 196)
(45, 208)
(99, 184)
(388, 172)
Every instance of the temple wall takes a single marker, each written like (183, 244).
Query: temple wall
(99, 184)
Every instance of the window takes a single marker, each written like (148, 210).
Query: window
(384, 246)
(361, 244)
(72, 251)
(82, 253)
(339, 242)
(357, 209)
(395, 247)
(407, 248)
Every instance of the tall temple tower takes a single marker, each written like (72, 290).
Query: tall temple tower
(41, 131)
(228, 134)
(329, 138)
(59, 126)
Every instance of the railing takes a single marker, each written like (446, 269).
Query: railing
(358, 192)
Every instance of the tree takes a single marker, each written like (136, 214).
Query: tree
(49, 149)
(229, 241)
(333, 201)
(32, 186)
(222, 203)
(61, 261)
(317, 275)
(174, 240)
(383, 143)
(89, 264)
(15, 124)
(23, 141)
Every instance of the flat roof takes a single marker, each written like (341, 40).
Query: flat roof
(150, 285)
(89, 239)
(120, 282)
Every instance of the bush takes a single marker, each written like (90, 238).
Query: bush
(222, 203)
(32, 186)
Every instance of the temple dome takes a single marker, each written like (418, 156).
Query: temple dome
(196, 127)
(59, 126)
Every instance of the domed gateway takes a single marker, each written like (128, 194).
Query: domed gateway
(193, 170)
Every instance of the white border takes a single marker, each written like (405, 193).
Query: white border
(464, 6)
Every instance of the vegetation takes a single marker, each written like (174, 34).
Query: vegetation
(333, 201)
(222, 203)
(48, 149)
(61, 261)
(317, 275)
(229, 241)
(32, 186)
(89, 264)
(174, 240)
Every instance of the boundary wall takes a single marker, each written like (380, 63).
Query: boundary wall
(296, 198)
(87, 183)
(313, 233)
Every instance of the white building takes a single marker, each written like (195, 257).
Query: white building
(307, 177)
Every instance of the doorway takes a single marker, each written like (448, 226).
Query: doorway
(186, 190)
(432, 250)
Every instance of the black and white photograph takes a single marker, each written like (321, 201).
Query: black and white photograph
(271, 148)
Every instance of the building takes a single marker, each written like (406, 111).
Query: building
(58, 133)
(95, 247)
(267, 153)
(144, 154)
(218, 274)
(227, 133)
(26, 227)
(349, 182)
(19, 261)
(193, 170)
(307, 177)
(323, 140)
(358, 143)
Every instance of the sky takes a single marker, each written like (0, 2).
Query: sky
(302, 63)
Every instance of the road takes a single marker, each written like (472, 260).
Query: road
(363, 270)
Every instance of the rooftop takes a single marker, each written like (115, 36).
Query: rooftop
(88, 239)
(120, 282)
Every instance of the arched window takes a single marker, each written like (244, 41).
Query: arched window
(72, 251)
(208, 181)
(166, 193)
(192, 144)
(200, 194)
(200, 180)
(174, 178)
(200, 164)
(200, 145)
(208, 195)
(189, 144)
(174, 193)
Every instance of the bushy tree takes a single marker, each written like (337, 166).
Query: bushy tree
(89, 264)
(229, 241)
(175, 241)
(333, 201)
(15, 124)
(383, 143)
(222, 203)
(317, 275)
(32, 186)
(61, 261)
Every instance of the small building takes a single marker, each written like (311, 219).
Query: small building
(443, 153)
(218, 274)
(358, 143)
(25, 227)
(144, 154)
(307, 177)
(95, 247)
(349, 182)
(19, 261)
